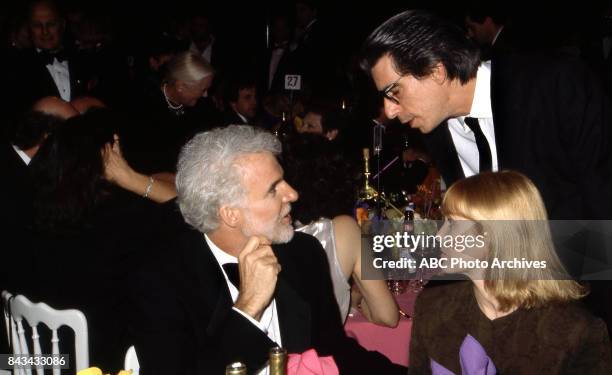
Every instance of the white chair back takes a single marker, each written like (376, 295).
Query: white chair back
(131, 361)
(34, 313)
(6, 296)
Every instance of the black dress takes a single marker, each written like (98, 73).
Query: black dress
(155, 133)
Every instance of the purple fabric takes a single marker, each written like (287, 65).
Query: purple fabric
(473, 358)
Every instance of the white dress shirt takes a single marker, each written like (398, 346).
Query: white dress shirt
(207, 53)
(269, 319)
(463, 137)
(61, 76)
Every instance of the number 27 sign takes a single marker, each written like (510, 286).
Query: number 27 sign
(293, 82)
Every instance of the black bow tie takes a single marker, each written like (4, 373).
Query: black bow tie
(48, 56)
(231, 270)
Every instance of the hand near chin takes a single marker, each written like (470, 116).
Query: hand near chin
(259, 270)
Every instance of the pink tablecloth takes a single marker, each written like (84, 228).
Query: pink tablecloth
(392, 342)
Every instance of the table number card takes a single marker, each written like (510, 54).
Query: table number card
(293, 82)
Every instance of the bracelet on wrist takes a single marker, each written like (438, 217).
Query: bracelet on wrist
(149, 187)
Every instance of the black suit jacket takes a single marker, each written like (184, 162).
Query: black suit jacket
(33, 81)
(186, 324)
(552, 123)
(230, 117)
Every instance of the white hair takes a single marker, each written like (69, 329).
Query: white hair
(187, 67)
(207, 176)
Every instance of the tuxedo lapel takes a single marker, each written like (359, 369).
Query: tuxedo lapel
(509, 114)
(75, 82)
(294, 314)
(211, 284)
(293, 318)
(47, 84)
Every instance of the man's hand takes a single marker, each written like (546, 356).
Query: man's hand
(258, 269)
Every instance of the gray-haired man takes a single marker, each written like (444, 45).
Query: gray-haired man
(196, 317)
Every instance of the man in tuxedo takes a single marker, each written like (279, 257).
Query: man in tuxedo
(547, 118)
(273, 63)
(242, 282)
(486, 25)
(49, 68)
(203, 41)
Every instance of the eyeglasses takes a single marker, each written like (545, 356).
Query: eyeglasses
(387, 94)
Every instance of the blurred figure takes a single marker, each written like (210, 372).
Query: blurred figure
(322, 177)
(85, 103)
(241, 100)
(18, 155)
(320, 117)
(274, 63)
(486, 25)
(52, 105)
(202, 39)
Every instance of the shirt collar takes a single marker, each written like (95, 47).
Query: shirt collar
(497, 34)
(244, 119)
(481, 104)
(221, 256)
(26, 159)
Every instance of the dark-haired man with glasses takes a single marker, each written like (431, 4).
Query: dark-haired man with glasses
(545, 117)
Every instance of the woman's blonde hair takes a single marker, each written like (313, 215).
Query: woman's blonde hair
(511, 212)
(186, 67)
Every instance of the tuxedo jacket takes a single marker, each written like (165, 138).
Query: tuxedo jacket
(31, 79)
(185, 323)
(230, 117)
(552, 123)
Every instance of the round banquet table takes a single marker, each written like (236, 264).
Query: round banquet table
(391, 342)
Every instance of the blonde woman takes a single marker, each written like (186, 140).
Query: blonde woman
(505, 320)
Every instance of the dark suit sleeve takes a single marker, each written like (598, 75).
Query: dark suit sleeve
(585, 112)
(350, 357)
(161, 331)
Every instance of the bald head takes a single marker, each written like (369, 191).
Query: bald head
(85, 103)
(54, 106)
